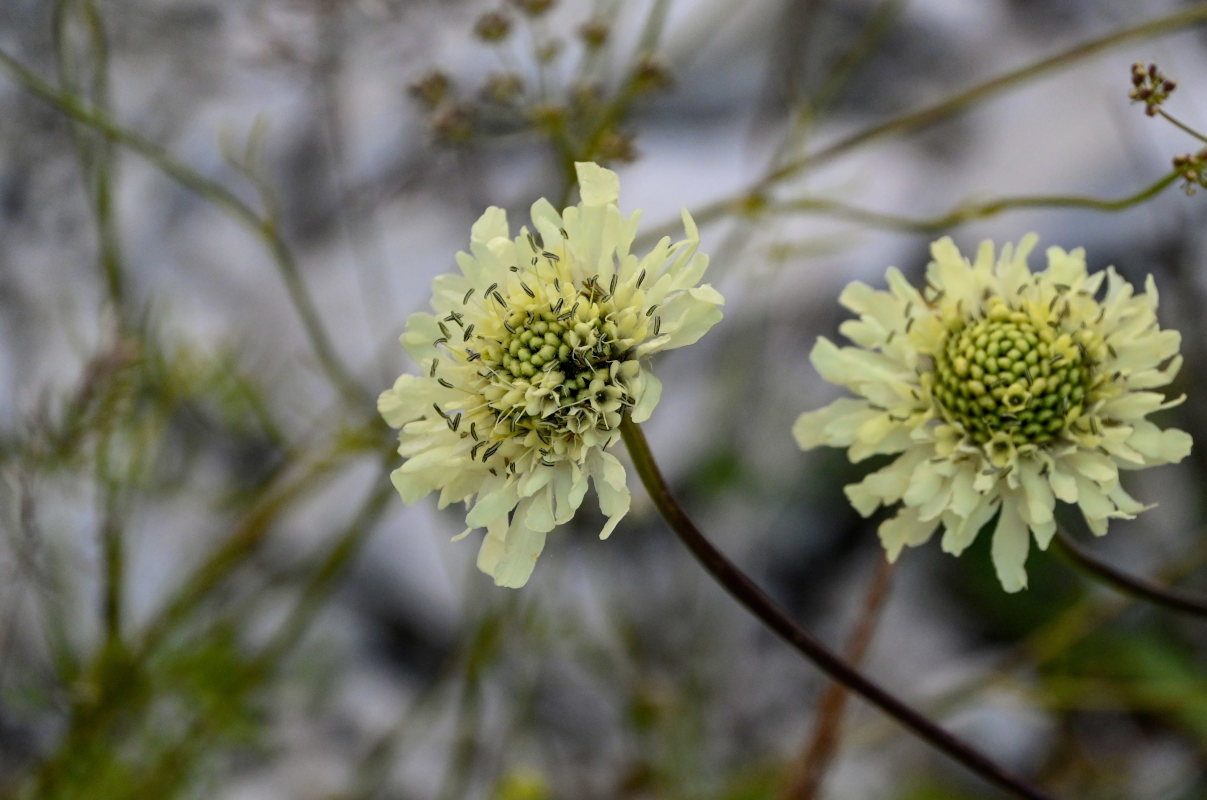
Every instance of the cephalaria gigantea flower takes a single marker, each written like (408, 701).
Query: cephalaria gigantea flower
(1003, 391)
(533, 356)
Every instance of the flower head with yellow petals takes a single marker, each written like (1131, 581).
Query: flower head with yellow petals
(1003, 391)
(533, 356)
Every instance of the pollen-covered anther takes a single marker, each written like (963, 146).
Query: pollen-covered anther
(1002, 375)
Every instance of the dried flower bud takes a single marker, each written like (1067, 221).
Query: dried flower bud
(548, 117)
(549, 51)
(1150, 87)
(492, 26)
(616, 146)
(533, 8)
(1138, 73)
(651, 75)
(502, 88)
(585, 97)
(1192, 168)
(431, 89)
(594, 33)
(453, 123)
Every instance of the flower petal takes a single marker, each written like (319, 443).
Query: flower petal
(610, 486)
(598, 186)
(1011, 540)
(905, 530)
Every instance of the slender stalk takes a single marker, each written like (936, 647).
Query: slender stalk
(114, 566)
(755, 196)
(264, 227)
(929, 115)
(961, 215)
(328, 571)
(1177, 123)
(742, 589)
(87, 74)
(809, 770)
(1178, 600)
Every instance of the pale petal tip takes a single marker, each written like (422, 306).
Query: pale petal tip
(807, 431)
(491, 225)
(598, 186)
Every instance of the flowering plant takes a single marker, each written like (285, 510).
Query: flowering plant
(531, 360)
(1003, 391)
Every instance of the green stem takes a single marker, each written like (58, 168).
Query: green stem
(755, 196)
(114, 567)
(957, 102)
(742, 589)
(73, 106)
(971, 212)
(330, 568)
(1170, 118)
(94, 152)
(1186, 602)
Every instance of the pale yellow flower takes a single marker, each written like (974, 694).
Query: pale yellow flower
(531, 359)
(1003, 391)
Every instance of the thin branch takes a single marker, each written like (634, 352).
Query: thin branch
(809, 770)
(76, 108)
(755, 195)
(929, 115)
(1187, 602)
(1177, 123)
(964, 214)
(742, 589)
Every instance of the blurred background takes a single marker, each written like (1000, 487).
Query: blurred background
(215, 218)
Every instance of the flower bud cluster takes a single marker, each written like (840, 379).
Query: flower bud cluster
(1192, 168)
(1150, 86)
(584, 117)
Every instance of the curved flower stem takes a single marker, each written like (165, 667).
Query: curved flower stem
(742, 589)
(1186, 602)
(755, 196)
(928, 115)
(971, 212)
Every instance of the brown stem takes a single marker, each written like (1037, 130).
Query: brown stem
(815, 757)
(1187, 602)
(742, 589)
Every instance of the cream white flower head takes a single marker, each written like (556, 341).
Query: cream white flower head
(1003, 391)
(530, 361)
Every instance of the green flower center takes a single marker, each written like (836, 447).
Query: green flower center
(1003, 375)
(562, 366)
(575, 350)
